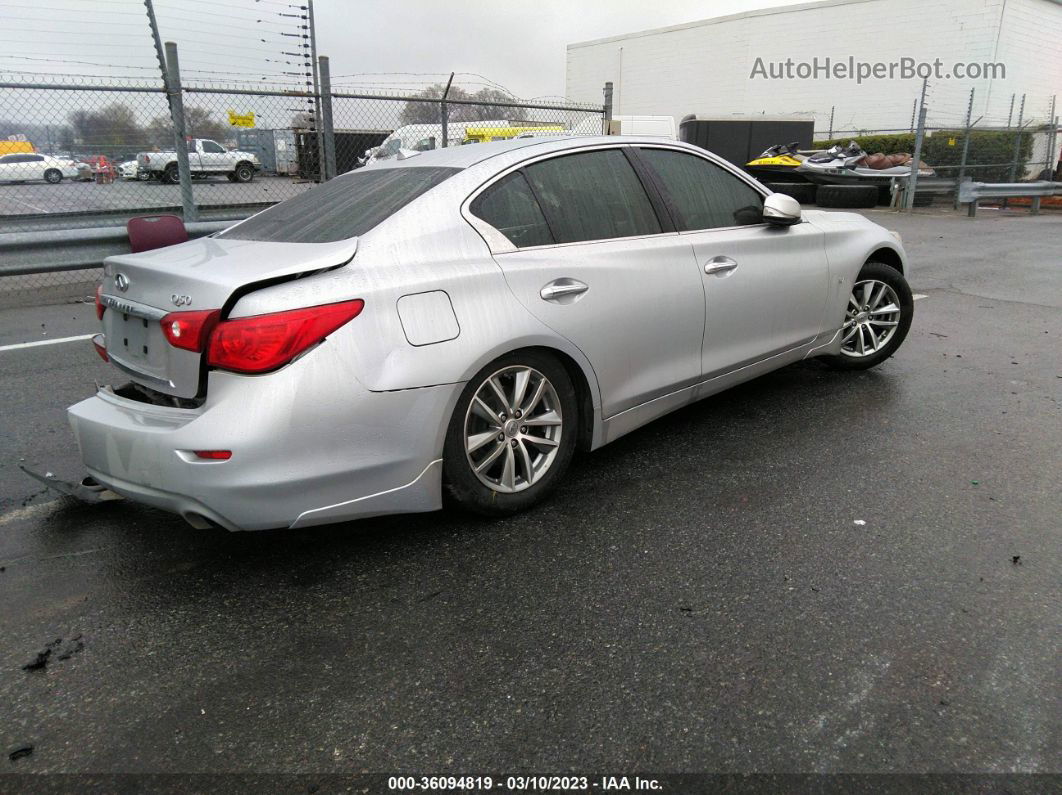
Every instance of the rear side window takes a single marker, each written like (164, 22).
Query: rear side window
(702, 195)
(345, 207)
(592, 196)
(509, 206)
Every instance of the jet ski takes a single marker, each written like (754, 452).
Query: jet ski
(778, 164)
(850, 165)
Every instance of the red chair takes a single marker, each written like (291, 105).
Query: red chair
(155, 231)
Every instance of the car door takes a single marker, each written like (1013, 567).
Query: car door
(214, 156)
(765, 286)
(7, 167)
(195, 157)
(593, 259)
(32, 167)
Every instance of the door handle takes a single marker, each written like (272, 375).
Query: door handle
(719, 265)
(563, 288)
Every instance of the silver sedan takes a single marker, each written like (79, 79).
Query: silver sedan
(454, 324)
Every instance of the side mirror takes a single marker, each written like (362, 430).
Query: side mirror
(781, 210)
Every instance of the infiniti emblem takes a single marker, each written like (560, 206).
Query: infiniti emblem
(121, 281)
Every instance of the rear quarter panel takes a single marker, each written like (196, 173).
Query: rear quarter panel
(427, 246)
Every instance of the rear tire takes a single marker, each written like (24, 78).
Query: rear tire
(868, 322)
(803, 192)
(508, 445)
(53, 176)
(847, 196)
(171, 176)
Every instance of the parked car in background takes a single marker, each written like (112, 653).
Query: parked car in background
(425, 137)
(205, 158)
(130, 170)
(27, 167)
(482, 135)
(460, 321)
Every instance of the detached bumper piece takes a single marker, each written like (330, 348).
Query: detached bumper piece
(87, 491)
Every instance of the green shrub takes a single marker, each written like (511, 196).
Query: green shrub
(994, 148)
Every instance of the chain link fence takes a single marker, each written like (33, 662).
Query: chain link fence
(82, 155)
(997, 138)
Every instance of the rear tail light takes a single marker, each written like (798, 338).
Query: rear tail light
(101, 347)
(189, 330)
(262, 343)
(259, 343)
(214, 455)
(100, 308)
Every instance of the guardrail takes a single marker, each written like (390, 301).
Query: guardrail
(74, 249)
(971, 193)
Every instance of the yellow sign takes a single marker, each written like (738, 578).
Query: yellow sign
(241, 119)
(952, 142)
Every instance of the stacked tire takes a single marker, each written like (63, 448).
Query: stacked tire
(850, 197)
(803, 192)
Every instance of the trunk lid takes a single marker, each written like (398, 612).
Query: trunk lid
(140, 289)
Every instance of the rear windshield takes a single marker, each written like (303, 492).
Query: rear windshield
(347, 206)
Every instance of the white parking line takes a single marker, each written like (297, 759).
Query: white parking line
(19, 345)
(28, 204)
(919, 296)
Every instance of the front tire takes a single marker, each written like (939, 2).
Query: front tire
(512, 435)
(53, 176)
(244, 172)
(877, 319)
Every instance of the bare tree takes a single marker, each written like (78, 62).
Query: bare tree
(428, 112)
(198, 123)
(111, 127)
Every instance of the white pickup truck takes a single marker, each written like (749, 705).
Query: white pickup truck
(205, 158)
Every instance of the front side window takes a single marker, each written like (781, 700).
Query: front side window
(213, 148)
(592, 196)
(509, 206)
(702, 195)
(345, 207)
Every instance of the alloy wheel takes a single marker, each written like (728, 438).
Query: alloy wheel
(871, 319)
(513, 429)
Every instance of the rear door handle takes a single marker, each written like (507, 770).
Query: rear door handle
(563, 288)
(718, 265)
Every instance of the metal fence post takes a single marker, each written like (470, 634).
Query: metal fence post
(444, 113)
(1017, 141)
(916, 156)
(965, 149)
(606, 114)
(829, 135)
(173, 88)
(1055, 143)
(327, 131)
(321, 170)
(1049, 166)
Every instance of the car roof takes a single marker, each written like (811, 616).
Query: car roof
(471, 154)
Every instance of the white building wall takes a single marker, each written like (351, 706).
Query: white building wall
(704, 67)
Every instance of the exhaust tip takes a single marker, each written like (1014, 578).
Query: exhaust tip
(198, 521)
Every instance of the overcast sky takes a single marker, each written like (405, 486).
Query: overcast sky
(518, 45)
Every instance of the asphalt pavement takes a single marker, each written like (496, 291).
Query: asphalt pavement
(814, 572)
